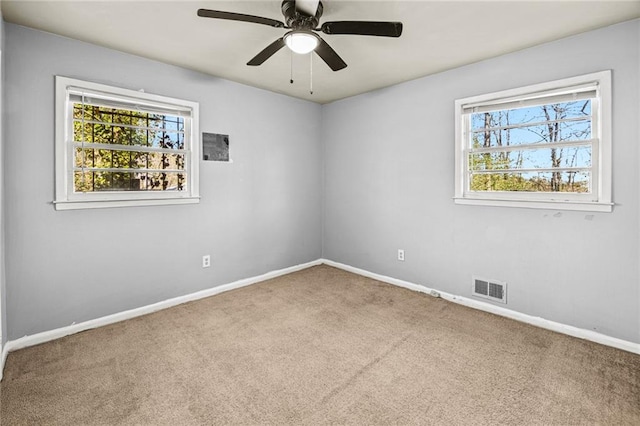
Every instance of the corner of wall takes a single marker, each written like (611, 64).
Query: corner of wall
(3, 316)
(323, 172)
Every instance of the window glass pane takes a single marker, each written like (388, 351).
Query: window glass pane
(171, 126)
(121, 116)
(575, 182)
(174, 140)
(84, 157)
(128, 181)
(77, 111)
(168, 140)
(124, 127)
(567, 121)
(121, 135)
(83, 182)
(106, 181)
(102, 181)
(156, 138)
(157, 160)
(85, 112)
(166, 181)
(139, 160)
(104, 115)
(523, 116)
(102, 133)
(78, 133)
(102, 158)
(139, 120)
(114, 159)
(121, 181)
(544, 158)
(121, 159)
(139, 137)
(551, 132)
(155, 121)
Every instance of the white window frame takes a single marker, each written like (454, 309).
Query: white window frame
(67, 199)
(598, 200)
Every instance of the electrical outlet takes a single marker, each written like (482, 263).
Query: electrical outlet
(401, 255)
(206, 261)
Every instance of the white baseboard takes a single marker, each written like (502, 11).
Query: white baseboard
(57, 333)
(3, 358)
(498, 310)
(46, 336)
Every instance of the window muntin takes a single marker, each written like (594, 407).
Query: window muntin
(120, 147)
(535, 145)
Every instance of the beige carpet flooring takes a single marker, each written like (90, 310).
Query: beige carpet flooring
(320, 346)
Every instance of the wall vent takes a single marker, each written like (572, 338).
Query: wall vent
(490, 289)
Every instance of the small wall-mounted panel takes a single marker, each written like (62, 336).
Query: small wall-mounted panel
(215, 147)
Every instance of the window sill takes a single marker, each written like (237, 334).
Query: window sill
(96, 204)
(533, 204)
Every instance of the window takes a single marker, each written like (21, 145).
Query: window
(541, 146)
(118, 147)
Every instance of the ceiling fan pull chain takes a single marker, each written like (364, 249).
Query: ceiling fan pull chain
(291, 69)
(311, 73)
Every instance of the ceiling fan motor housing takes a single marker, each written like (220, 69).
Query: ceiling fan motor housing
(298, 20)
(302, 38)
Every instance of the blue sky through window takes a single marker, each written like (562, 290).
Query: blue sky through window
(569, 121)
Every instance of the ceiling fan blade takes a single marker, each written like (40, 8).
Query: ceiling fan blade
(206, 13)
(268, 52)
(309, 7)
(371, 28)
(330, 56)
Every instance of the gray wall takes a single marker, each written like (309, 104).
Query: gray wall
(260, 213)
(389, 183)
(351, 181)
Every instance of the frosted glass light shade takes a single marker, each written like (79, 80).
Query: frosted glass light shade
(301, 42)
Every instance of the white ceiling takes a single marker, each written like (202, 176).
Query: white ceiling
(438, 35)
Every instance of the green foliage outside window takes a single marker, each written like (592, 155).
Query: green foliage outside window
(141, 170)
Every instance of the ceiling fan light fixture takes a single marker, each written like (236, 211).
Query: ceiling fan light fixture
(301, 42)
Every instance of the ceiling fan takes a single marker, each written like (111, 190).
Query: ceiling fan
(302, 18)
